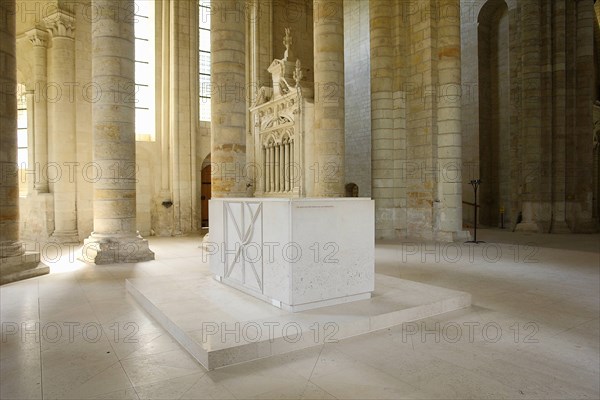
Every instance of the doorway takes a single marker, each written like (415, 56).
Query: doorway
(205, 194)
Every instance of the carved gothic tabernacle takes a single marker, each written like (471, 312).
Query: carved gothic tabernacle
(282, 131)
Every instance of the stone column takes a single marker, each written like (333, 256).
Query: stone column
(115, 237)
(271, 168)
(382, 121)
(277, 168)
(329, 142)
(584, 221)
(287, 170)
(15, 263)
(61, 112)
(449, 128)
(228, 102)
(531, 123)
(559, 113)
(39, 40)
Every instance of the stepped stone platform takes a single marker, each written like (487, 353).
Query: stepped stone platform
(220, 326)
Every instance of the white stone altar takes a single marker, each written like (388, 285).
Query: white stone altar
(297, 254)
(283, 246)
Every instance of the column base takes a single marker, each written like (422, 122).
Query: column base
(531, 227)
(64, 237)
(584, 225)
(24, 266)
(560, 227)
(461, 236)
(205, 241)
(42, 189)
(102, 249)
(451, 236)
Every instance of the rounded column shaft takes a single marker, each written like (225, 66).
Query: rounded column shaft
(39, 40)
(382, 121)
(114, 126)
(115, 237)
(63, 154)
(328, 20)
(449, 120)
(277, 169)
(228, 101)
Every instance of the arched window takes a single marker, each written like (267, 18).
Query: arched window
(145, 66)
(204, 58)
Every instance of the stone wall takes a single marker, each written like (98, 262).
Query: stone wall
(533, 107)
(516, 111)
(298, 16)
(358, 95)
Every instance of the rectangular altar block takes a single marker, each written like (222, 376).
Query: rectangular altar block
(297, 254)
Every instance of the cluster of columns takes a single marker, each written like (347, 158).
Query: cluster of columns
(552, 115)
(279, 167)
(15, 262)
(115, 238)
(54, 133)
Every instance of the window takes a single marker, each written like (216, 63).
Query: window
(204, 59)
(145, 107)
(22, 139)
(22, 142)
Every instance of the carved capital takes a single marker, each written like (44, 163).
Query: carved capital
(60, 24)
(37, 37)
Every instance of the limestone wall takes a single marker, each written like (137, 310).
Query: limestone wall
(358, 95)
(428, 107)
(531, 62)
(298, 16)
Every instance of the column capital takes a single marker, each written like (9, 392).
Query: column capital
(60, 24)
(37, 37)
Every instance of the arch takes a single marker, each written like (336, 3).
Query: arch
(488, 10)
(270, 140)
(494, 113)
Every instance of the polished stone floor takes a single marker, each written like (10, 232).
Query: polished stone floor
(532, 332)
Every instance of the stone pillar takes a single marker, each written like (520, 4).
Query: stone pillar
(382, 121)
(15, 263)
(448, 210)
(531, 109)
(329, 142)
(228, 102)
(115, 237)
(61, 132)
(583, 221)
(39, 40)
(559, 113)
